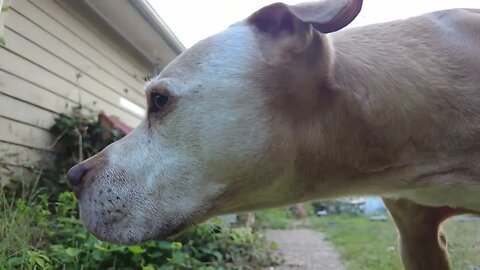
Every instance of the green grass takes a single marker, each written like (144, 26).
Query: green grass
(277, 218)
(366, 245)
(18, 229)
(363, 245)
(464, 243)
(39, 234)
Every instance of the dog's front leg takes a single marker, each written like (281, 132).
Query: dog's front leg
(422, 241)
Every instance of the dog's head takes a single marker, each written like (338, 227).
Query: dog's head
(219, 135)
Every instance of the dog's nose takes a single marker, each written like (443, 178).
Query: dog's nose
(76, 173)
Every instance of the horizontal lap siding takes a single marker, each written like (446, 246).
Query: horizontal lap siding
(21, 156)
(47, 99)
(54, 60)
(84, 36)
(26, 113)
(24, 135)
(37, 75)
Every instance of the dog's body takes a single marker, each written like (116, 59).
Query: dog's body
(272, 111)
(420, 136)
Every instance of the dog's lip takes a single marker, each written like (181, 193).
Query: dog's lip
(104, 233)
(77, 190)
(112, 228)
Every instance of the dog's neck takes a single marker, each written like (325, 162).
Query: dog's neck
(365, 141)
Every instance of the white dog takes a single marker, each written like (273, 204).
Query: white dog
(275, 110)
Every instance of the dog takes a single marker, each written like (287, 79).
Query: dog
(286, 107)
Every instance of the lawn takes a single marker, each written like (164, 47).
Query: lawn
(366, 245)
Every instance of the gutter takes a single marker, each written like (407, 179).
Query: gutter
(156, 22)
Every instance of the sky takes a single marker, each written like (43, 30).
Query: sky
(193, 20)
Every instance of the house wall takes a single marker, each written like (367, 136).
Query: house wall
(58, 56)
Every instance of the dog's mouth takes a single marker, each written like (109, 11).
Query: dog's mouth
(128, 230)
(121, 215)
(133, 221)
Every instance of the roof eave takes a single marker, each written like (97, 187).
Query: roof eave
(140, 25)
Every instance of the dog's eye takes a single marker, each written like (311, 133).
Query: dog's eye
(158, 102)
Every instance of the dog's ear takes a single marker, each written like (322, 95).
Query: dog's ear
(325, 16)
(291, 26)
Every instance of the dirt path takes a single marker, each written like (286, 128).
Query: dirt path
(304, 249)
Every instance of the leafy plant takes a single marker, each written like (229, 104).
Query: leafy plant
(56, 239)
(79, 135)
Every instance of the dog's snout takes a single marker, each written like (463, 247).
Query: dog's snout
(76, 173)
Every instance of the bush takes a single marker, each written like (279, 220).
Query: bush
(35, 237)
(79, 136)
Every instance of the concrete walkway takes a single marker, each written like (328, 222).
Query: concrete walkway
(304, 249)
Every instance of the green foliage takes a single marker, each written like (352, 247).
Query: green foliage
(373, 245)
(362, 244)
(81, 135)
(277, 218)
(341, 207)
(5, 8)
(36, 237)
(282, 218)
(463, 238)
